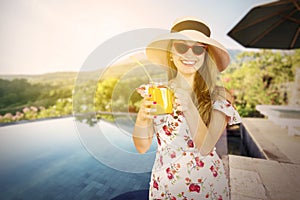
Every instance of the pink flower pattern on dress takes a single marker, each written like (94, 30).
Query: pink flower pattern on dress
(180, 171)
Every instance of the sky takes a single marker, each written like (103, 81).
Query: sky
(42, 36)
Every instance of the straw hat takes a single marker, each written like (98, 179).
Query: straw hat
(187, 28)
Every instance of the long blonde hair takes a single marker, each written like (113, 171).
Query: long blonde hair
(204, 84)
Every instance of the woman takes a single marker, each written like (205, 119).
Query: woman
(186, 164)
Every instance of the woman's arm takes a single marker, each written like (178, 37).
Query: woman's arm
(143, 129)
(216, 127)
(217, 123)
(205, 138)
(196, 125)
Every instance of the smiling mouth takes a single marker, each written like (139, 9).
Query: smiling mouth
(188, 62)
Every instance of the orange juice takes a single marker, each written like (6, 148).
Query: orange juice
(163, 96)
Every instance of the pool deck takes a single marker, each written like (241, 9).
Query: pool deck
(277, 176)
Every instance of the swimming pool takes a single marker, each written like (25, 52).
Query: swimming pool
(111, 143)
(48, 160)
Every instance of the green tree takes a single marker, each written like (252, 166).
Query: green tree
(259, 78)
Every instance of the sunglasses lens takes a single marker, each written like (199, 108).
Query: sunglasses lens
(181, 48)
(198, 50)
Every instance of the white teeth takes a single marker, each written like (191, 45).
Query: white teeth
(188, 62)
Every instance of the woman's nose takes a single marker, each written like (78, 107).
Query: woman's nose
(189, 53)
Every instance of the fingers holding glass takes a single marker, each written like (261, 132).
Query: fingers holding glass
(148, 108)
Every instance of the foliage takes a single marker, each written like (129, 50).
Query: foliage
(117, 95)
(62, 107)
(260, 78)
(21, 100)
(257, 77)
(19, 93)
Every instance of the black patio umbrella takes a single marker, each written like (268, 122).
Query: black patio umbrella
(274, 25)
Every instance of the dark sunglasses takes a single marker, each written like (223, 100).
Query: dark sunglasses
(183, 48)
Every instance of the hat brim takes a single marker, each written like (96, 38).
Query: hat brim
(157, 50)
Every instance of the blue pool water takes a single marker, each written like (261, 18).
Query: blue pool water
(63, 159)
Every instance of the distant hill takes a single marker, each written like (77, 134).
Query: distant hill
(44, 78)
(128, 67)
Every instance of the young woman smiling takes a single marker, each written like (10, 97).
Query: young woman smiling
(187, 165)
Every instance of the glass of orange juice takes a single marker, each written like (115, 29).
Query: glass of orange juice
(163, 96)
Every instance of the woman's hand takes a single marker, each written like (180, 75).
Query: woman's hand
(146, 112)
(143, 129)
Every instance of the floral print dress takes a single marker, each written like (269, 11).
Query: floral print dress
(179, 171)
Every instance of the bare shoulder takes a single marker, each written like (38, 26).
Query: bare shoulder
(221, 92)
